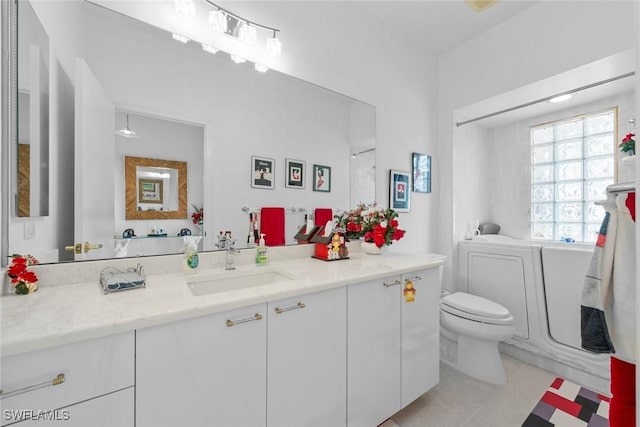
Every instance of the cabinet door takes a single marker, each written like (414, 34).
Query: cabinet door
(205, 371)
(420, 334)
(111, 410)
(307, 360)
(80, 371)
(373, 351)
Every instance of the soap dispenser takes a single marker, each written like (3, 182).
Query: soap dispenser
(262, 252)
(191, 259)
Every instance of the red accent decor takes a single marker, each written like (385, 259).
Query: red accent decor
(600, 241)
(631, 204)
(561, 403)
(557, 383)
(322, 216)
(272, 225)
(321, 250)
(622, 409)
(605, 398)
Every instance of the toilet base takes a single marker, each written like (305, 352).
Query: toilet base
(480, 359)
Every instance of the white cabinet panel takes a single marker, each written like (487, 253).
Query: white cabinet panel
(112, 410)
(306, 374)
(202, 372)
(373, 351)
(420, 335)
(90, 368)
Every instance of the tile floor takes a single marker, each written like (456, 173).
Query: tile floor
(461, 401)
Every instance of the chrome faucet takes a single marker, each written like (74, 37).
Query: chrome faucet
(231, 255)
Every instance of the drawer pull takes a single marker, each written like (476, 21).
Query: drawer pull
(59, 379)
(413, 279)
(257, 316)
(387, 285)
(293, 307)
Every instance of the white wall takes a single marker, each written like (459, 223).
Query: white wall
(546, 39)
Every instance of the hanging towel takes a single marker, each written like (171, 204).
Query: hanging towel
(322, 216)
(272, 225)
(608, 296)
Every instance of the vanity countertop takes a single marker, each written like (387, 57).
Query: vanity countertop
(63, 314)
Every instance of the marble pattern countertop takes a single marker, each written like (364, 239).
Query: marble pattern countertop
(66, 313)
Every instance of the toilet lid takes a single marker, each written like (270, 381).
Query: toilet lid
(473, 306)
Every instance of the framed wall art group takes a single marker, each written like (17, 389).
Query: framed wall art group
(263, 174)
(402, 184)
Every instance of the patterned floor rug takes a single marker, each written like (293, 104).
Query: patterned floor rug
(565, 404)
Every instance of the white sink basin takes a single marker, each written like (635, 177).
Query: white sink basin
(233, 280)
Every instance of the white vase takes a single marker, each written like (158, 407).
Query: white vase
(371, 248)
(627, 171)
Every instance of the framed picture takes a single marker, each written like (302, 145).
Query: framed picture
(149, 190)
(399, 191)
(295, 173)
(262, 172)
(421, 173)
(321, 178)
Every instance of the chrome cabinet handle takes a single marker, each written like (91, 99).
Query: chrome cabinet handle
(396, 282)
(413, 279)
(253, 318)
(59, 379)
(293, 307)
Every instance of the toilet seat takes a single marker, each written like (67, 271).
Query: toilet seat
(475, 308)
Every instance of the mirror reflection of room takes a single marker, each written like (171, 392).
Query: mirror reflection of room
(239, 113)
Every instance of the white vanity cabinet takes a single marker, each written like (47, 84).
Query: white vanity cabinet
(421, 334)
(373, 365)
(93, 380)
(306, 353)
(393, 345)
(205, 371)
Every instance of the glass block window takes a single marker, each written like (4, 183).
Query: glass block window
(572, 163)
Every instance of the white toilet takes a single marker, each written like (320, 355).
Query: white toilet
(475, 325)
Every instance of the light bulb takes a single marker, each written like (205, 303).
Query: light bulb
(247, 34)
(274, 47)
(238, 59)
(186, 9)
(218, 21)
(561, 98)
(210, 49)
(261, 68)
(180, 38)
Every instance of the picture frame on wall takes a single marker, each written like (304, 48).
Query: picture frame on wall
(421, 173)
(150, 190)
(262, 172)
(399, 191)
(321, 178)
(295, 173)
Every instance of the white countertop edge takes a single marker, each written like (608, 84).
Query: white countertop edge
(81, 312)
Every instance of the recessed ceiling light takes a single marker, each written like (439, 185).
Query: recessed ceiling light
(480, 5)
(561, 98)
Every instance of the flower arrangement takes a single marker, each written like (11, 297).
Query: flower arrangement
(372, 223)
(628, 144)
(198, 215)
(25, 281)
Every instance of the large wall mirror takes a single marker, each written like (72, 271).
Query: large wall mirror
(108, 70)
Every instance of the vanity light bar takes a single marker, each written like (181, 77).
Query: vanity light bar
(246, 30)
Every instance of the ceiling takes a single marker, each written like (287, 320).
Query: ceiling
(440, 25)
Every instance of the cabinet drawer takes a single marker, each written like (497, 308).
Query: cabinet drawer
(90, 368)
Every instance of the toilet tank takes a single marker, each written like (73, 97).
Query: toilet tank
(501, 272)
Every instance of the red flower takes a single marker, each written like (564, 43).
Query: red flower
(353, 227)
(16, 268)
(398, 234)
(25, 277)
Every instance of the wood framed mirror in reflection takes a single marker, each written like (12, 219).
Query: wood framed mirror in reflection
(155, 189)
(238, 114)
